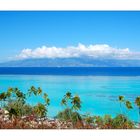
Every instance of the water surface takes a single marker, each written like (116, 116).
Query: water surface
(99, 94)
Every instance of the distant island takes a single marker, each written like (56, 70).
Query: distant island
(71, 62)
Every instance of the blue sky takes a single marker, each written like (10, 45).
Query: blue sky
(21, 30)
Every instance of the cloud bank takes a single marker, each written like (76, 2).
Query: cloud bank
(99, 51)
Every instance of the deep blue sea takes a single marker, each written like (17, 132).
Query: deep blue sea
(98, 88)
(85, 71)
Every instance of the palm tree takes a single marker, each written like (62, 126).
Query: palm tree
(64, 102)
(3, 97)
(47, 100)
(71, 103)
(39, 91)
(76, 103)
(32, 90)
(68, 96)
(10, 90)
(128, 105)
(121, 100)
(137, 102)
(40, 110)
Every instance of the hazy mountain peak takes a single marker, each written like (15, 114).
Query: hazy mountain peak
(71, 62)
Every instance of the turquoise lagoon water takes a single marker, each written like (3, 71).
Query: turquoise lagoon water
(99, 94)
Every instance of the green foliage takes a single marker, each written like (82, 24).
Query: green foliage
(137, 101)
(15, 102)
(88, 119)
(3, 96)
(64, 102)
(72, 102)
(107, 122)
(98, 121)
(69, 115)
(17, 108)
(122, 122)
(128, 105)
(121, 98)
(76, 117)
(40, 110)
(68, 95)
(27, 110)
(76, 103)
(34, 91)
(39, 90)
(66, 99)
(64, 115)
(46, 99)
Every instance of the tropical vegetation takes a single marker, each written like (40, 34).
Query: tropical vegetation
(17, 112)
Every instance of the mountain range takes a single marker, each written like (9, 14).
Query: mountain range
(71, 62)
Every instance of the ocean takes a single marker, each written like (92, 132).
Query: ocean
(85, 71)
(98, 88)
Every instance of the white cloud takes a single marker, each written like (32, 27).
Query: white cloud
(94, 51)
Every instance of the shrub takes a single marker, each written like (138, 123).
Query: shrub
(64, 115)
(69, 116)
(122, 122)
(17, 108)
(40, 110)
(107, 122)
(15, 102)
(88, 119)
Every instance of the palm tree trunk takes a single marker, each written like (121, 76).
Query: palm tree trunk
(69, 110)
(139, 115)
(121, 108)
(71, 117)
